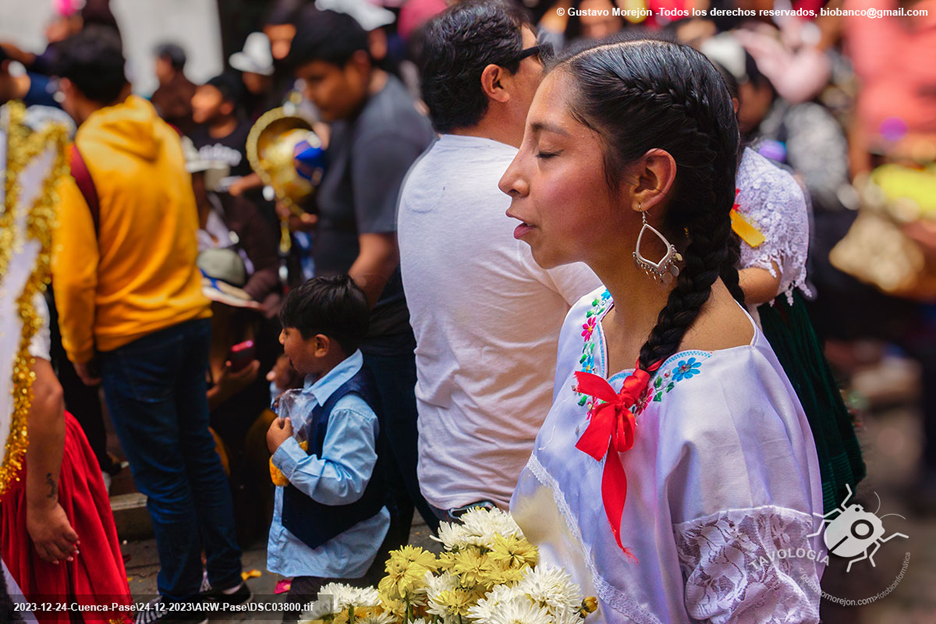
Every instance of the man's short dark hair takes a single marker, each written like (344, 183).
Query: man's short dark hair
(228, 85)
(326, 36)
(93, 61)
(334, 306)
(172, 53)
(456, 47)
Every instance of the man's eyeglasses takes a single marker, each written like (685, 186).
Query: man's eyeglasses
(543, 52)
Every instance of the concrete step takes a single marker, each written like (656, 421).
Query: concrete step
(131, 517)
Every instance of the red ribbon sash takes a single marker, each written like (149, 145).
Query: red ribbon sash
(612, 428)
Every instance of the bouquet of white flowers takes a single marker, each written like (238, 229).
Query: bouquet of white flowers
(487, 574)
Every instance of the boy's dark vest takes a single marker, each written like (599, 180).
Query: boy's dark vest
(313, 522)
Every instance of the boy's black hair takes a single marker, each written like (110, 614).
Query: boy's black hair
(326, 36)
(228, 85)
(93, 61)
(334, 306)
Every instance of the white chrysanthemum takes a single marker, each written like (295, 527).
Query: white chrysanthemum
(342, 596)
(438, 584)
(551, 588)
(419, 621)
(481, 525)
(496, 599)
(521, 612)
(365, 596)
(452, 535)
(568, 616)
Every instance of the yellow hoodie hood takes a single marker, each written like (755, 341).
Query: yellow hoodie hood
(128, 127)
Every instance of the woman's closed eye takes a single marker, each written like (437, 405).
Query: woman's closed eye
(544, 155)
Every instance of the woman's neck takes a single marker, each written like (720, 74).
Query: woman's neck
(638, 300)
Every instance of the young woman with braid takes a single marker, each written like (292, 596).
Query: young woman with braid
(667, 489)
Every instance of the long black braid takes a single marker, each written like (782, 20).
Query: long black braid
(642, 95)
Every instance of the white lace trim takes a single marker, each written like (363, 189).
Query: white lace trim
(771, 200)
(735, 570)
(608, 594)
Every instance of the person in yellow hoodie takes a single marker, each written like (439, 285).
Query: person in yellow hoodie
(133, 317)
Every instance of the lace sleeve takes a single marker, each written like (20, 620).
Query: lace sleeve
(772, 201)
(743, 566)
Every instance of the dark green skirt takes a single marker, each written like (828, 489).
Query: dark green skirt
(791, 334)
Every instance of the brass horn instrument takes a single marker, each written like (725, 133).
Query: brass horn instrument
(271, 150)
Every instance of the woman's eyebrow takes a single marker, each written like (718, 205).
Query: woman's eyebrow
(539, 127)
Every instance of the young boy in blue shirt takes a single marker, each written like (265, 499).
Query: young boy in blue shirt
(330, 521)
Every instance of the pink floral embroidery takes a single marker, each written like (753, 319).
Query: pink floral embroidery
(588, 327)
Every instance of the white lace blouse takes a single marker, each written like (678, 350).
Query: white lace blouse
(722, 476)
(772, 201)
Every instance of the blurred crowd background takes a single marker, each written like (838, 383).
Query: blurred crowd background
(846, 103)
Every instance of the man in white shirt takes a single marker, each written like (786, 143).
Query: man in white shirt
(485, 315)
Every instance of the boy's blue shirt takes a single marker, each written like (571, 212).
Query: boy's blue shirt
(338, 477)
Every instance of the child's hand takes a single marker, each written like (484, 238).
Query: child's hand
(278, 433)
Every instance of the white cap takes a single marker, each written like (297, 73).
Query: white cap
(368, 15)
(214, 170)
(256, 57)
(727, 51)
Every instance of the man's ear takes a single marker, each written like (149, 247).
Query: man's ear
(495, 81)
(653, 175)
(360, 63)
(377, 42)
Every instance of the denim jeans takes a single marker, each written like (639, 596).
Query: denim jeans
(156, 394)
(395, 376)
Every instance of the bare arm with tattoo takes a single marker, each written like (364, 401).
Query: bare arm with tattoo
(46, 522)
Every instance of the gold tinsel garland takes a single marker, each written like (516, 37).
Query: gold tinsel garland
(22, 147)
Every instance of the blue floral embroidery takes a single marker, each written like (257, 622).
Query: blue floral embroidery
(664, 382)
(686, 369)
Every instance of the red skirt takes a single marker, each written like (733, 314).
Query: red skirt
(97, 576)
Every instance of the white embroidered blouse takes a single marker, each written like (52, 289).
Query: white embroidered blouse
(772, 201)
(722, 477)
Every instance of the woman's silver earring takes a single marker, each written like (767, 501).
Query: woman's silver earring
(665, 270)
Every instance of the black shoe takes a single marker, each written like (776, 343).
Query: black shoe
(158, 611)
(239, 594)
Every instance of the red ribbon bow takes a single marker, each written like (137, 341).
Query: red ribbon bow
(612, 428)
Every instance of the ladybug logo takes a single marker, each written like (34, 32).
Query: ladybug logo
(854, 533)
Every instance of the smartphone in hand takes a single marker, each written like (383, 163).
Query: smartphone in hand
(241, 355)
